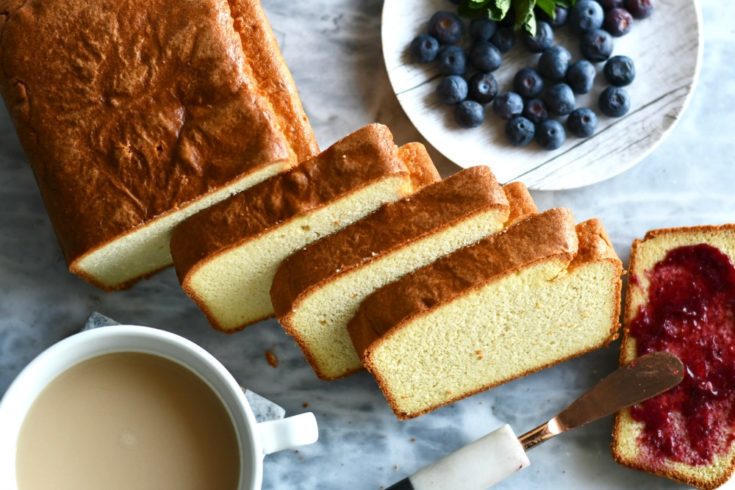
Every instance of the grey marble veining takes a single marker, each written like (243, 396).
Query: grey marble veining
(333, 50)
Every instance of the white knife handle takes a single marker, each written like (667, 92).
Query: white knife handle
(476, 466)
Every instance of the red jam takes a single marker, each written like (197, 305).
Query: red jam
(691, 313)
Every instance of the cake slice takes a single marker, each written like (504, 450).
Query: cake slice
(226, 256)
(681, 299)
(317, 290)
(537, 293)
(135, 115)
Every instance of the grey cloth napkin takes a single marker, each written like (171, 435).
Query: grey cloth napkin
(263, 409)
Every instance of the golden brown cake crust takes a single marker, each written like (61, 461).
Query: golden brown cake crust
(437, 206)
(594, 244)
(522, 204)
(623, 459)
(418, 161)
(129, 110)
(273, 77)
(339, 170)
(538, 237)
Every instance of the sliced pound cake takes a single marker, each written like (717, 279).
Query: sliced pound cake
(538, 293)
(681, 299)
(131, 128)
(317, 290)
(226, 256)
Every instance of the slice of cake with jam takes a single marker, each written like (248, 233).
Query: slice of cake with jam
(681, 299)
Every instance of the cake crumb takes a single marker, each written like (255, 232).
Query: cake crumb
(305, 404)
(272, 359)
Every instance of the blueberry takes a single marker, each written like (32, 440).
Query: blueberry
(535, 111)
(519, 131)
(424, 49)
(550, 134)
(560, 16)
(508, 105)
(586, 15)
(503, 39)
(597, 45)
(581, 76)
(640, 9)
(452, 89)
(528, 83)
(543, 39)
(469, 114)
(446, 27)
(483, 87)
(559, 99)
(614, 101)
(619, 71)
(582, 122)
(482, 29)
(554, 63)
(485, 57)
(451, 61)
(611, 4)
(618, 22)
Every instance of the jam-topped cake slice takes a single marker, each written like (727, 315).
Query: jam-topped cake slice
(681, 299)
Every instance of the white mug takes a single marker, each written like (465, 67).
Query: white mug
(255, 440)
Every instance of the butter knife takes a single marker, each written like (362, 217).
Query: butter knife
(499, 454)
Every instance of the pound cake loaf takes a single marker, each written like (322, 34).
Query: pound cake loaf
(681, 299)
(227, 255)
(540, 292)
(135, 114)
(317, 290)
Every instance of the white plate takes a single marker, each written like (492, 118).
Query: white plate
(666, 48)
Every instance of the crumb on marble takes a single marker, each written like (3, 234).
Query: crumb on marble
(305, 404)
(272, 359)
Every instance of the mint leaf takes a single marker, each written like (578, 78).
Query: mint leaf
(498, 9)
(474, 8)
(548, 6)
(524, 15)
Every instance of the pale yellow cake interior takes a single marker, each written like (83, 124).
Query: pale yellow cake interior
(234, 286)
(146, 249)
(519, 323)
(648, 253)
(321, 318)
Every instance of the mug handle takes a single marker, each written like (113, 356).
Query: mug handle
(299, 430)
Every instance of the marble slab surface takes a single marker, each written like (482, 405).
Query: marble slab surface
(333, 49)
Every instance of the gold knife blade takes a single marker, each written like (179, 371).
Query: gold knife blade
(637, 381)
